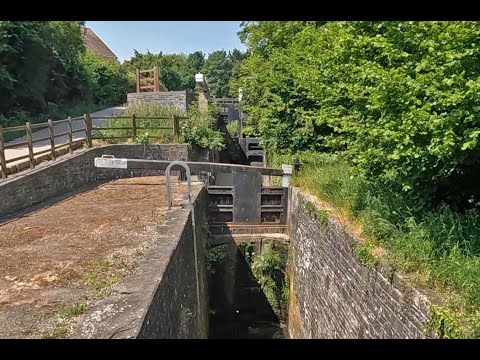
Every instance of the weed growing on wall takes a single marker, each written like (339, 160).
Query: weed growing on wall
(438, 249)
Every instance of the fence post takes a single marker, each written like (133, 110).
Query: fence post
(88, 129)
(28, 128)
(70, 135)
(176, 125)
(134, 127)
(137, 79)
(155, 78)
(52, 138)
(3, 161)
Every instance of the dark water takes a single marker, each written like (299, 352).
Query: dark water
(240, 309)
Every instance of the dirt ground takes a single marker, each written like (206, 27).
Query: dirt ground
(57, 260)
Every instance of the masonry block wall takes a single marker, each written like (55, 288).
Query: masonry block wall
(173, 309)
(332, 295)
(176, 99)
(71, 172)
(159, 301)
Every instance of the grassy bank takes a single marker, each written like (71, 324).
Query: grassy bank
(439, 249)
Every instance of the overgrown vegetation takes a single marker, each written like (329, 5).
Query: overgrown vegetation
(177, 71)
(438, 249)
(398, 98)
(384, 117)
(46, 72)
(197, 129)
(59, 331)
(233, 128)
(269, 268)
(60, 327)
(214, 256)
(142, 110)
(101, 275)
(322, 215)
(76, 309)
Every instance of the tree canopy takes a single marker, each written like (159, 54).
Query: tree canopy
(399, 99)
(45, 66)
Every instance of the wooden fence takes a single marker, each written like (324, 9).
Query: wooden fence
(68, 140)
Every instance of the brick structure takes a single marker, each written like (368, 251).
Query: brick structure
(71, 172)
(159, 301)
(332, 295)
(174, 99)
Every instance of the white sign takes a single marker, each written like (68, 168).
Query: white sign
(287, 169)
(111, 163)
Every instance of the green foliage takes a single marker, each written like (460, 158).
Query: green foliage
(171, 68)
(193, 65)
(306, 158)
(197, 129)
(442, 323)
(233, 128)
(438, 249)
(214, 256)
(45, 72)
(217, 69)
(364, 253)
(142, 138)
(148, 109)
(59, 331)
(247, 251)
(322, 215)
(76, 309)
(142, 110)
(269, 269)
(398, 98)
(105, 78)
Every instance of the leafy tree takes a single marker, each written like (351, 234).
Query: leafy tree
(39, 65)
(193, 65)
(105, 78)
(237, 58)
(44, 68)
(400, 99)
(217, 69)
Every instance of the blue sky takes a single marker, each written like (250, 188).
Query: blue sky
(167, 36)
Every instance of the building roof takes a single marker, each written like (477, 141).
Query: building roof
(95, 44)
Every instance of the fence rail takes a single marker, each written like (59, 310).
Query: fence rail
(89, 135)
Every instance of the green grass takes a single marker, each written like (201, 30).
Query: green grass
(101, 275)
(76, 309)
(59, 331)
(322, 215)
(66, 313)
(439, 249)
(233, 128)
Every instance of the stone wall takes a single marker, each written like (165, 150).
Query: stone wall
(159, 300)
(176, 99)
(332, 295)
(71, 172)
